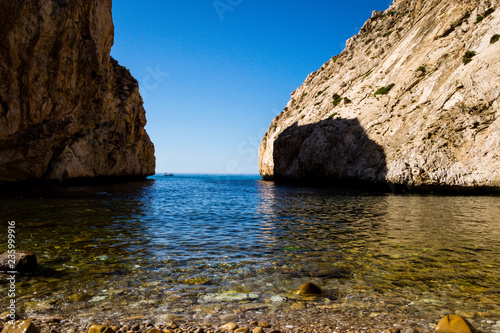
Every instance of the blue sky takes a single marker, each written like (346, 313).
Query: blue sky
(213, 74)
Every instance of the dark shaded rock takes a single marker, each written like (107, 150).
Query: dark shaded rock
(343, 153)
(23, 262)
(62, 3)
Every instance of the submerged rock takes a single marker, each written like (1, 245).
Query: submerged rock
(308, 289)
(229, 297)
(23, 262)
(453, 324)
(67, 109)
(277, 299)
(413, 101)
(20, 326)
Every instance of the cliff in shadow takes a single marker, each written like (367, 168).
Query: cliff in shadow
(342, 153)
(67, 109)
(421, 80)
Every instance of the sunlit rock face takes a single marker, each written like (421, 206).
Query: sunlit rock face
(413, 100)
(67, 109)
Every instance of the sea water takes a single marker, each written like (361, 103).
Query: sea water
(170, 244)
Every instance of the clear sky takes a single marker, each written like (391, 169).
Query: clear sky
(213, 74)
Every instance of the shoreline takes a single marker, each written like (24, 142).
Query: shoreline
(8, 188)
(310, 319)
(305, 318)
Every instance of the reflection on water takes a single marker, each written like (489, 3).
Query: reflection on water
(173, 243)
(424, 251)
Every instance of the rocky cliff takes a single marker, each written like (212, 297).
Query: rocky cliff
(413, 100)
(67, 109)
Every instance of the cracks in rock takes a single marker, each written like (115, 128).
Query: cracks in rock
(411, 86)
(448, 99)
(477, 132)
(4, 108)
(454, 25)
(57, 150)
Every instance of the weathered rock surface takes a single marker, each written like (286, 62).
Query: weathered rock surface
(23, 262)
(435, 122)
(67, 109)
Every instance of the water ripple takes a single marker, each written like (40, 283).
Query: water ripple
(177, 240)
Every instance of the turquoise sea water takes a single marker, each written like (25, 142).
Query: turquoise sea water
(172, 244)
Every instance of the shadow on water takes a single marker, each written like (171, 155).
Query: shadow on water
(334, 152)
(84, 237)
(55, 191)
(307, 223)
(441, 248)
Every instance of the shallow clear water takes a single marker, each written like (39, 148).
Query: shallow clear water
(173, 243)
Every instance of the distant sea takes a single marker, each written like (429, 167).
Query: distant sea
(172, 243)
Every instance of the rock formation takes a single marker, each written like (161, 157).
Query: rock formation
(413, 100)
(67, 109)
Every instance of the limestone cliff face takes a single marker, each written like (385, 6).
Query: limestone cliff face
(412, 100)
(67, 109)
